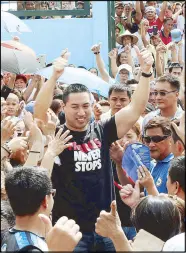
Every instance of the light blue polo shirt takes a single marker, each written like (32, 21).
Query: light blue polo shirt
(160, 173)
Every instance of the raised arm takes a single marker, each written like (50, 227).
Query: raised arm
(113, 56)
(128, 116)
(45, 96)
(100, 63)
(162, 11)
(138, 13)
(175, 15)
(180, 53)
(30, 88)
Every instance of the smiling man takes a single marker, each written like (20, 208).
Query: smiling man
(83, 177)
(166, 93)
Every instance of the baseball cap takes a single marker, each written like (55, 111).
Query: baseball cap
(125, 66)
(176, 35)
(30, 107)
(150, 8)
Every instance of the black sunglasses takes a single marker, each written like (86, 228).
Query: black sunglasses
(163, 93)
(155, 138)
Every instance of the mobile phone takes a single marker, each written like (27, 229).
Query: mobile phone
(155, 30)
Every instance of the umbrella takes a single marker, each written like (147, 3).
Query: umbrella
(77, 75)
(11, 23)
(18, 58)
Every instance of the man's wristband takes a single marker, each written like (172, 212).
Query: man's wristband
(146, 75)
(35, 152)
(97, 53)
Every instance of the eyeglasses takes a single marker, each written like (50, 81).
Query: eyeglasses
(155, 138)
(163, 93)
(53, 192)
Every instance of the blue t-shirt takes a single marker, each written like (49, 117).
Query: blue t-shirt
(160, 173)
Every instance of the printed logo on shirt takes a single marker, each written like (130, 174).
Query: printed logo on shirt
(159, 181)
(87, 156)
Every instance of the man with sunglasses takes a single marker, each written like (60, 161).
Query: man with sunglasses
(157, 136)
(30, 194)
(166, 94)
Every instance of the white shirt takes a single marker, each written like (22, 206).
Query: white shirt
(176, 243)
(140, 42)
(181, 23)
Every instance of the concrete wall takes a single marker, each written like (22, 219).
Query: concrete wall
(50, 36)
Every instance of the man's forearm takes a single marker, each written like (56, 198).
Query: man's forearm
(48, 162)
(159, 70)
(28, 91)
(162, 11)
(44, 99)
(174, 57)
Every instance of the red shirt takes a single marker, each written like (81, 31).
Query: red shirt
(165, 39)
(156, 22)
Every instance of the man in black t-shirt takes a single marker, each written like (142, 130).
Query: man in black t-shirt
(83, 176)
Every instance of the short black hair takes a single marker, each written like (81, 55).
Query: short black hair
(157, 215)
(177, 171)
(74, 88)
(174, 65)
(132, 81)
(119, 88)
(174, 81)
(26, 188)
(81, 67)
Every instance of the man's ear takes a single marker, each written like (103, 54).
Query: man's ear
(45, 202)
(177, 187)
(180, 146)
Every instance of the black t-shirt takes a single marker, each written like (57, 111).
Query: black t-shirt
(17, 240)
(124, 211)
(84, 180)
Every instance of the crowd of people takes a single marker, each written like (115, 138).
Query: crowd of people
(64, 186)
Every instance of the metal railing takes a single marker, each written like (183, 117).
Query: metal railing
(73, 12)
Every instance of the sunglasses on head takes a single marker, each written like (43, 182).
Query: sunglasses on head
(155, 138)
(163, 93)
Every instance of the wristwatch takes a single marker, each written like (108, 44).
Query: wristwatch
(146, 75)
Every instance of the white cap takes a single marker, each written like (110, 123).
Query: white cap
(150, 8)
(125, 66)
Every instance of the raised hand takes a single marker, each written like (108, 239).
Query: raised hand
(145, 59)
(64, 236)
(7, 130)
(60, 63)
(171, 46)
(108, 224)
(96, 48)
(97, 109)
(129, 195)
(113, 53)
(59, 143)
(116, 152)
(161, 48)
(18, 143)
(146, 180)
(28, 119)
